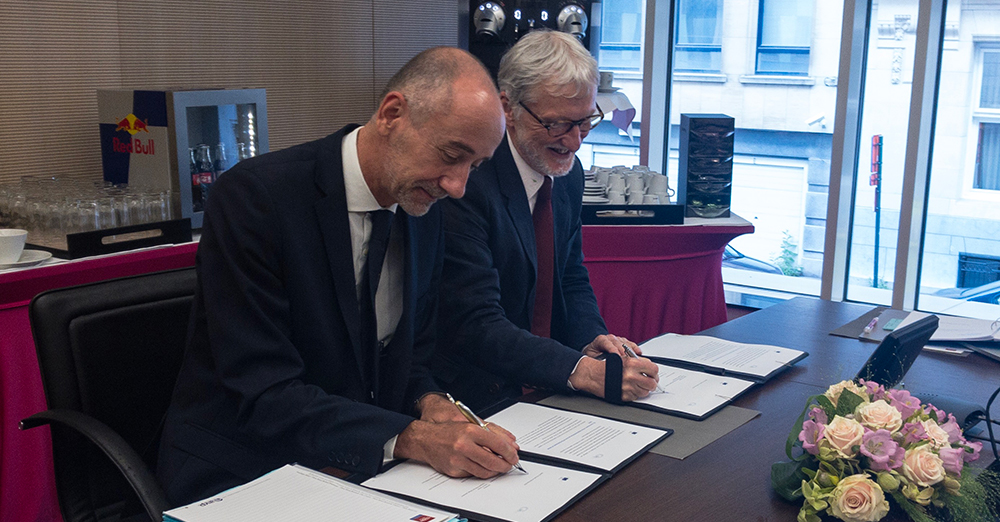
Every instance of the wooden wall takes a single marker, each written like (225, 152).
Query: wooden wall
(323, 63)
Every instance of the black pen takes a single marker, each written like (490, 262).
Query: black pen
(629, 352)
(473, 418)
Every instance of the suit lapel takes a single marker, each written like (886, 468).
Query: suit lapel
(512, 188)
(331, 211)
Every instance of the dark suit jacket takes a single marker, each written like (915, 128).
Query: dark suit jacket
(273, 371)
(486, 350)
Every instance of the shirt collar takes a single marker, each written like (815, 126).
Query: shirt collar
(359, 195)
(531, 178)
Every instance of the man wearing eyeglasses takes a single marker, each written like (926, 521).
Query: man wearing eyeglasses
(517, 308)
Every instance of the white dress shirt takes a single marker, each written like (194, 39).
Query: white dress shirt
(389, 294)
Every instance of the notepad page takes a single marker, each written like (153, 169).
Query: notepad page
(752, 359)
(575, 437)
(514, 496)
(297, 494)
(693, 393)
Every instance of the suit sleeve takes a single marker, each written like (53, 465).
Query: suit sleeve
(473, 318)
(248, 317)
(583, 317)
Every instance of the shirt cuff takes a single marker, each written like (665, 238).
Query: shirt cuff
(388, 450)
(572, 372)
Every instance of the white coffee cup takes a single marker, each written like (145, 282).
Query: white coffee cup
(616, 198)
(617, 184)
(659, 183)
(607, 79)
(635, 198)
(651, 199)
(11, 244)
(636, 185)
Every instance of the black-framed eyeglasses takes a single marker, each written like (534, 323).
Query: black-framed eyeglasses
(558, 128)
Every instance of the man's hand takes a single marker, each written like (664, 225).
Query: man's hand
(458, 449)
(609, 344)
(435, 407)
(589, 377)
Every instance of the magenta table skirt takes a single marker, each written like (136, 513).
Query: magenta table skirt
(27, 486)
(650, 280)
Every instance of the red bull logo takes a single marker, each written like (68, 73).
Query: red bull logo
(132, 125)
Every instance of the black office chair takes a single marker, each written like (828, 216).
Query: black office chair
(109, 354)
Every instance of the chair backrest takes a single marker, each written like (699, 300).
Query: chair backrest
(111, 350)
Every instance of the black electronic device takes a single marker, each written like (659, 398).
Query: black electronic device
(896, 353)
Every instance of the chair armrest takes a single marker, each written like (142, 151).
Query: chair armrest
(114, 446)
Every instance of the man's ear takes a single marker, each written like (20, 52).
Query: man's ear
(391, 112)
(508, 109)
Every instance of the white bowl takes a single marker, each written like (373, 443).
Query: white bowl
(11, 244)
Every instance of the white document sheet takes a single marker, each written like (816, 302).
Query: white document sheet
(757, 360)
(951, 328)
(693, 393)
(575, 437)
(297, 494)
(515, 496)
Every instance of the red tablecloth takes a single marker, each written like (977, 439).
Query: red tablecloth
(27, 485)
(650, 280)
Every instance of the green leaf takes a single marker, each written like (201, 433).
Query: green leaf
(847, 403)
(827, 406)
(786, 479)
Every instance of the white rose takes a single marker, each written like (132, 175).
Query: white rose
(843, 435)
(922, 467)
(879, 415)
(833, 392)
(858, 499)
(938, 437)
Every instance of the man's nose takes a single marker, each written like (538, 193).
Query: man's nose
(573, 139)
(453, 182)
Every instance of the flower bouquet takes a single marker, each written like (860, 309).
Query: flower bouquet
(862, 445)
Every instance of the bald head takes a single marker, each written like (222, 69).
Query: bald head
(429, 81)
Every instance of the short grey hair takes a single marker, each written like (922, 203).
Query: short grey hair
(548, 60)
(426, 81)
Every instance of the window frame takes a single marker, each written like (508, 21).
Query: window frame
(980, 115)
(695, 47)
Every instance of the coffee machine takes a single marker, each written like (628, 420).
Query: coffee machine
(496, 25)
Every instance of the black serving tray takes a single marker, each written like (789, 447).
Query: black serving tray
(632, 214)
(120, 239)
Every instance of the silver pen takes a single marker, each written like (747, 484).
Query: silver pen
(473, 418)
(631, 353)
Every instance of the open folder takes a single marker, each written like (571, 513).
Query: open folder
(700, 374)
(565, 454)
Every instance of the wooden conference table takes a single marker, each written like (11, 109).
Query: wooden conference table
(730, 478)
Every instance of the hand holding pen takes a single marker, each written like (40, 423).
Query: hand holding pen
(473, 418)
(632, 355)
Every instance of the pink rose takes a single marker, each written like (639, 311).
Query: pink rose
(879, 415)
(833, 392)
(844, 435)
(938, 437)
(922, 467)
(858, 499)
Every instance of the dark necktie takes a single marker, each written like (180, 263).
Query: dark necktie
(377, 244)
(541, 322)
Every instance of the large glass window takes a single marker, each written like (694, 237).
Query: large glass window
(960, 257)
(621, 35)
(785, 30)
(699, 36)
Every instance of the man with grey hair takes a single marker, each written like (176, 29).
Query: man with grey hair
(305, 345)
(517, 307)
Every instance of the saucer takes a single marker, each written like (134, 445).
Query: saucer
(28, 258)
(609, 89)
(594, 199)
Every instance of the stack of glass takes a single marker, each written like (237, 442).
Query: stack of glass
(50, 208)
